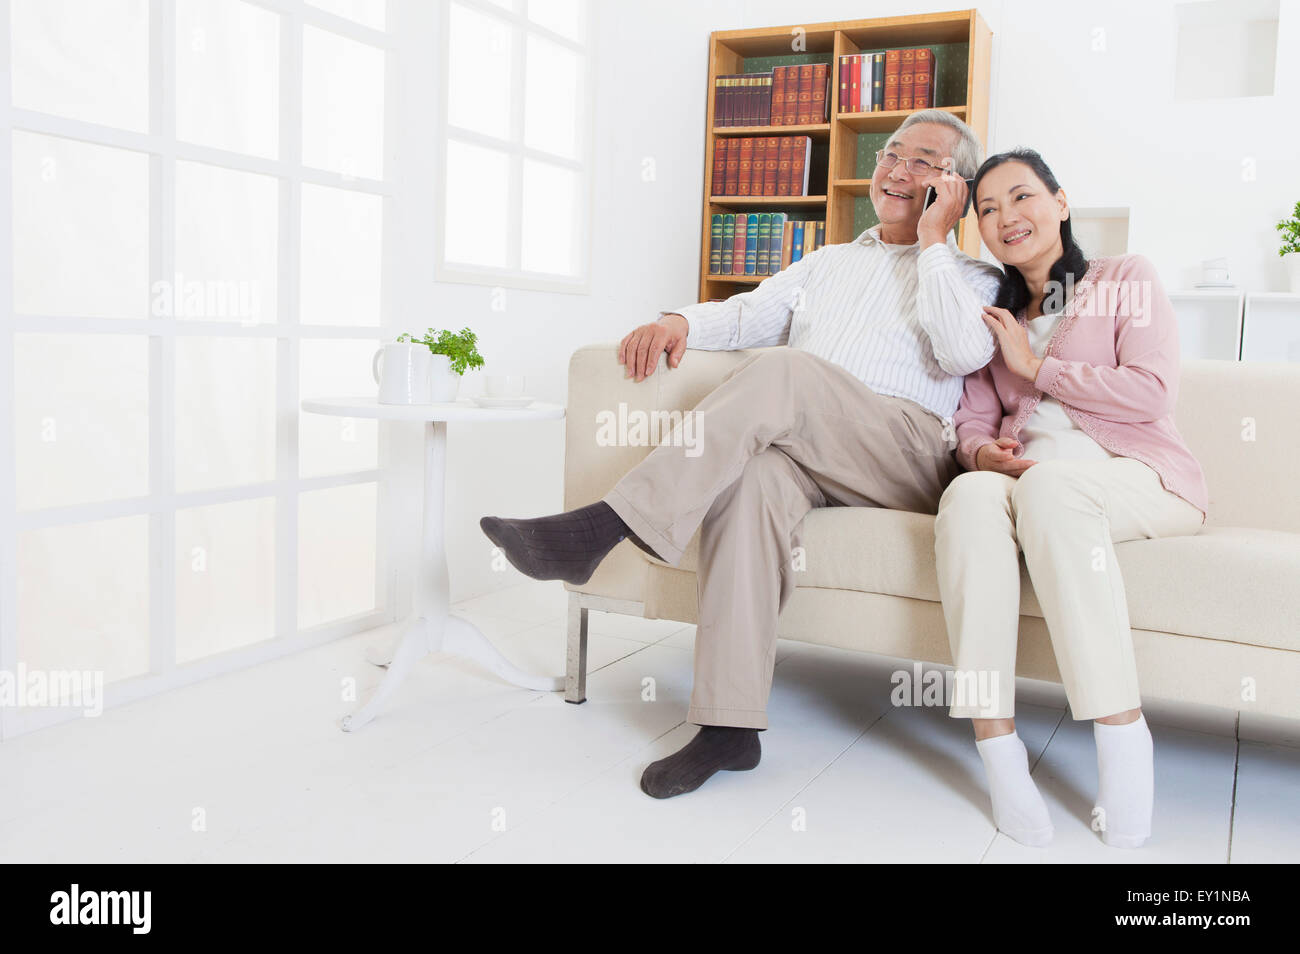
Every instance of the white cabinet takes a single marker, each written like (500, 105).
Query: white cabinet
(1209, 323)
(1271, 329)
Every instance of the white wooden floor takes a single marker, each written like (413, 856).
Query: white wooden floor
(253, 767)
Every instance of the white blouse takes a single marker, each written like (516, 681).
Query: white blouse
(1050, 434)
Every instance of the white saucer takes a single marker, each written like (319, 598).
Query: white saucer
(483, 401)
(1214, 285)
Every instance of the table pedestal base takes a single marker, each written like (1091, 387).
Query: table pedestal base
(451, 635)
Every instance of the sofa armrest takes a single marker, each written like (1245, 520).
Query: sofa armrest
(597, 388)
(593, 464)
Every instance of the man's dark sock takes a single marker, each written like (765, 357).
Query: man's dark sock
(564, 546)
(715, 748)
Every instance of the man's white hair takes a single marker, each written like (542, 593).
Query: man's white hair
(967, 154)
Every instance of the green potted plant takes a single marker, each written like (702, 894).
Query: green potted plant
(454, 353)
(1290, 250)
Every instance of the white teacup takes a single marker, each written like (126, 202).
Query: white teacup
(1214, 271)
(403, 373)
(503, 385)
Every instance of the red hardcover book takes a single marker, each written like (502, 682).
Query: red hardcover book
(843, 101)
(892, 63)
(733, 168)
(923, 80)
(906, 69)
(799, 165)
(771, 164)
(719, 181)
(805, 93)
(855, 82)
(778, 97)
(758, 166)
(746, 165)
(785, 160)
(820, 79)
(738, 251)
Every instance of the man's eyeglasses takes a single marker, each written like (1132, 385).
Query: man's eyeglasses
(917, 167)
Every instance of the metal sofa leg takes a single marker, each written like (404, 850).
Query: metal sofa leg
(575, 675)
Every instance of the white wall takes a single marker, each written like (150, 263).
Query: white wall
(1107, 121)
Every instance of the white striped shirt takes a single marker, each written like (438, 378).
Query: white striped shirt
(906, 323)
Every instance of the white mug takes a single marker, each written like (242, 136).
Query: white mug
(406, 374)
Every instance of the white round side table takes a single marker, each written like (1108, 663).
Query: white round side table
(432, 627)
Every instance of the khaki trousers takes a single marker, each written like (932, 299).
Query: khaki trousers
(1065, 515)
(784, 432)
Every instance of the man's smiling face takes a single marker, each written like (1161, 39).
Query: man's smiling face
(898, 194)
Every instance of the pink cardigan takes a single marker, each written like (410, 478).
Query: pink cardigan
(1113, 365)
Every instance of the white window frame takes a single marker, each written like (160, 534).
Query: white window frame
(162, 501)
(512, 275)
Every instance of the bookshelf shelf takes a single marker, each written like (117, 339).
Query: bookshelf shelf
(843, 149)
(886, 121)
(730, 201)
(854, 187)
(818, 131)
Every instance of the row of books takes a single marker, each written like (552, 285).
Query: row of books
(892, 80)
(760, 243)
(761, 165)
(782, 96)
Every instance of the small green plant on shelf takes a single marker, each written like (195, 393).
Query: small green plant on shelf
(461, 348)
(1290, 229)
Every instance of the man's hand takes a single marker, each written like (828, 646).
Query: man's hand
(942, 217)
(639, 352)
(999, 457)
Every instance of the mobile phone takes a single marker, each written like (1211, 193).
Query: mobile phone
(931, 195)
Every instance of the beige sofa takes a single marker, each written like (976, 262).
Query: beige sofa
(1216, 617)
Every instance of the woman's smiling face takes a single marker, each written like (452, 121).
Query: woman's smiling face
(1020, 219)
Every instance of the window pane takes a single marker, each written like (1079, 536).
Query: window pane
(550, 219)
(225, 577)
(342, 104)
(477, 191)
(81, 228)
(553, 88)
(478, 72)
(83, 597)
(226, 239)
(564, 17)
(368, 12)
(81, 418)
(87, 61)
(336, 553)
(227, 76)
(225, 412)
(342, 257)
(334, 445)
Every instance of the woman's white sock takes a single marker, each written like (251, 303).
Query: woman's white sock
(1018, 808)
(1126, 783)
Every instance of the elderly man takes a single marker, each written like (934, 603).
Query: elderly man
(855, 412)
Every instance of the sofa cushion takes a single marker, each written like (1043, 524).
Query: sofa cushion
(1232, 583)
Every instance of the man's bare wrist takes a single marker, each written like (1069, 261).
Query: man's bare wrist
(674, 314)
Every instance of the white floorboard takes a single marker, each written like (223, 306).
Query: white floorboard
(252, 766)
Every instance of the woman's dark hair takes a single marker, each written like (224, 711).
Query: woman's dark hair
(1013, 293)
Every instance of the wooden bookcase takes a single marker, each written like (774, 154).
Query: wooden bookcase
(843, 155)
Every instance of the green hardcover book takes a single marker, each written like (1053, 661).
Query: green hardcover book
(764, 242)
(728, 241)
(751, 244)
(715, 244)
(774, 244)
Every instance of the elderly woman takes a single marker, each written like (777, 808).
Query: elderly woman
(1070, 439)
